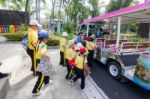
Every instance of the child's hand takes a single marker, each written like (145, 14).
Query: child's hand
(48, 57)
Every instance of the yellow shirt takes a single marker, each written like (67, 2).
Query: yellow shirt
(41, 49)
(70, 53)
(90, 45)
(32, 37)
(79, 61)
(87, 52)
(63, 42)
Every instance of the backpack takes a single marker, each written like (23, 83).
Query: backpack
(25, 41)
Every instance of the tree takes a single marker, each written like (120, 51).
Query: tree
(95, 10)
(118, 4)
(26, 6)
(3, 3)
(77, 11)
(51, 27)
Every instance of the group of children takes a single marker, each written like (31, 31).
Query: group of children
(77, 56)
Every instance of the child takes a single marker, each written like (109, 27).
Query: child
(80, 62)
(63, 43)
(90, 45)
(70, 55)
(43, 63)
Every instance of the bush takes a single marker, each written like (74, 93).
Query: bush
(52, 42)
(69, 27)
(23, 28)
(13, 37)
(57, 36)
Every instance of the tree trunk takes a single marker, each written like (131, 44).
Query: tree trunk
(27, 4)
(52, 17)
(59, 14)
(38, 10)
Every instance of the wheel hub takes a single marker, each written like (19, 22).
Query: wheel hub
(113, 70)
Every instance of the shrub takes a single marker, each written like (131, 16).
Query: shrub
(52, 42)
(22, 28)
(13, 37)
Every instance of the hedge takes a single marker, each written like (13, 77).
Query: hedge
(19, 37)
(13, 37)
(52, 42)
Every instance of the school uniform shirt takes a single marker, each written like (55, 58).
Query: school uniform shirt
(32, 37)
(45, 65)
(87, 52)
(79, 61)
(90, 45)
(70, 53)
(63, 42)
(41, 48)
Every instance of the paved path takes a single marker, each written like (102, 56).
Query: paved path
(22, 81)
(22, 84)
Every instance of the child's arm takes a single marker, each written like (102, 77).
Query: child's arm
(44, 55)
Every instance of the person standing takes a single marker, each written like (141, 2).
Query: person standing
(78, 38)
(70, 55)
(43, 63)
(63, 44)
(90, 46)
(80, 63)
(32, 42)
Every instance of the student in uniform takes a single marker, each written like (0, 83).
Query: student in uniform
(43, 68)
(70, 56)
(90, 45)
(63, 43)
(32, 42)
(80, 62)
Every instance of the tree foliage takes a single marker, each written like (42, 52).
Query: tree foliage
(3, 3)
(118, 4)
(76, 11)
(95, 10)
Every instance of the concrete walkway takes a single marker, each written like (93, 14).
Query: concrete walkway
(22, 82)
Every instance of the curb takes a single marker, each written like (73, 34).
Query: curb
(4, 87)
(53, 47)
(11, 42)
(5, 83)
(91, 87)
(100, 90)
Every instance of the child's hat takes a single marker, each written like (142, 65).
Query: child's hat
(43, 34)
(78, 46)
(65, 34)
(70, 43)
(82, 50)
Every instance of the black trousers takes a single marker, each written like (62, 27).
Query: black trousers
(31, 53)
(80, 74)
(41, 79)
(90, 57)
(62, 60)
(70, 70)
